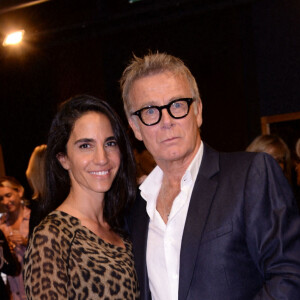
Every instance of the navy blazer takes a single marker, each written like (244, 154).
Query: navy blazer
(241, 238)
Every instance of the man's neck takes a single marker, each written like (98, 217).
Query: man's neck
(175, 169)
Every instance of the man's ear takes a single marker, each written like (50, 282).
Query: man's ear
(62, 158)
(199, 113)
(135, 127)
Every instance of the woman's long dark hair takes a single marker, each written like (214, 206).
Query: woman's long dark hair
(123, 189)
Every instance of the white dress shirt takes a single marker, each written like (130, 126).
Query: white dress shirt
(164, 240)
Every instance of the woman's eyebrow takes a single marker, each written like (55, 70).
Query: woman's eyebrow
(110, 138)
(84, 140)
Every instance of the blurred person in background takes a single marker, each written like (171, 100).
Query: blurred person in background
(9, 265)
(35, 175)
(277, 148)
(296, 164)
(145, 164)
(15, 226)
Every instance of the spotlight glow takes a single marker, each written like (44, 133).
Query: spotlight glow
(14, 38)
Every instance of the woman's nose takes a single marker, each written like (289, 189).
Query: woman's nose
(100, 156)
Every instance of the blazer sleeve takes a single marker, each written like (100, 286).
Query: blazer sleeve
(272, 228)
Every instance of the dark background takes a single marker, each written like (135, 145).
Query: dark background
(243, 54)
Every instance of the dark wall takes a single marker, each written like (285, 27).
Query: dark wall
(211, 44)
(244, 57)
(276, 31)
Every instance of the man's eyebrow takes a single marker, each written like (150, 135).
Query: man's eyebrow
(153, 102)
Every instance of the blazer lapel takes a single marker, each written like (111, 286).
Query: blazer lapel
(199, 208)
(139, 235)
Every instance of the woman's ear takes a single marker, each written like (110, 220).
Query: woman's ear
(64, 161)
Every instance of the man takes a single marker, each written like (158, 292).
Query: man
(206, 225)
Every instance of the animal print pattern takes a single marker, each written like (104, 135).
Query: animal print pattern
(65, 260)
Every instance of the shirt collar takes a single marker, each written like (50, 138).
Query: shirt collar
(193, 169)
(151, 185)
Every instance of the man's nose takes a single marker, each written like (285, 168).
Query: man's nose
(166, 119)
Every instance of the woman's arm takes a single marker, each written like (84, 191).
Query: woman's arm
(46, 262)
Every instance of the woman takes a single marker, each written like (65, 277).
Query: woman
(79, 250)
(14, 224)
(276, 147)
(35, 175)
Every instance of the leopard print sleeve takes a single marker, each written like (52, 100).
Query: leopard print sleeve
(46, 260)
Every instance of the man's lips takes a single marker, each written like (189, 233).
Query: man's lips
(169, 140)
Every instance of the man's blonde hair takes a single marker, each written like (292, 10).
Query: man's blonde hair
(151, 64)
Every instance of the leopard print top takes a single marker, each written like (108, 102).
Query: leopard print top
(65, 260)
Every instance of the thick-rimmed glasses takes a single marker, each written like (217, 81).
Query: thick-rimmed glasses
(177, 109)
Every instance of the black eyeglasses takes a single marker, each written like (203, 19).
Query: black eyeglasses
(177, 109)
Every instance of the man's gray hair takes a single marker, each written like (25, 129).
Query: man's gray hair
(151, 64)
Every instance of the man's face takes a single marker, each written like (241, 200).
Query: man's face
(171, 139)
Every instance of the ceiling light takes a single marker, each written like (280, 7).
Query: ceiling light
(13, 38)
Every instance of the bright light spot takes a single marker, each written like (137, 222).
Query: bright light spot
(13, 38)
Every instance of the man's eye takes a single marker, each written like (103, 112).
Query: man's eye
(177, 105)
(150, 111)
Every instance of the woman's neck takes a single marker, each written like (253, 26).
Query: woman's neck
(15, 216)
(84, 207)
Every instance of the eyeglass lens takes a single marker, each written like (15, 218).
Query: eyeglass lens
(177, 109)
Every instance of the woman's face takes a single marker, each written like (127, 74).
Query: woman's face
(10, 199)
(93, 156)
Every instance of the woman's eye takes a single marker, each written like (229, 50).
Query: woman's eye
(84, 146)
(111, 144)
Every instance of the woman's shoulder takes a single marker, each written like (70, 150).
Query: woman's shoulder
(58, 223)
